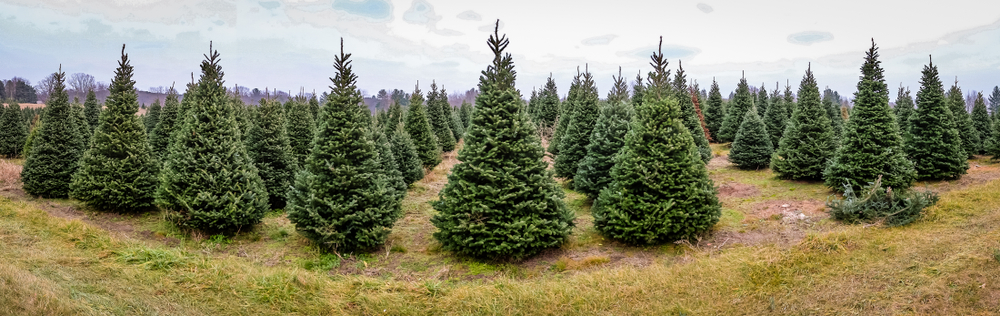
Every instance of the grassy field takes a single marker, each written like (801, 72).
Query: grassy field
(775, 251)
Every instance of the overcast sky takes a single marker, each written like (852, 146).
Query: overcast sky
(290, 44)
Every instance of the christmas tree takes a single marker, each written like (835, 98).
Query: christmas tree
(573, 145)
(57, 147)
(807, 144)
(420, 130)
(752, 147)
(936, 145)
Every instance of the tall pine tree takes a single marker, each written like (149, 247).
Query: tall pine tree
(963, 122)
(405, 152)
(763, 101)
(735, 111)
(995, 101)
(594, 172)
(935, 146)
(465, 112)
(419, 127)
(439, 119)
(13, 130)
(690, 118)
(501, 201)
(983, 124)
(118, 171)
(573, 145)
(548, 107)
(268, 146)
(775, 117)
(152, 116)
(661, 190)
(871, 146)
(299, 125)
(92, 110)
(831, 102)
(807, 144)
(565, 113)
(714, 111)
(903, 110)
(57, 147)
(342, 200)
(169, 118)
(208, 180)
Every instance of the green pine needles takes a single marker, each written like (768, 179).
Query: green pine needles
(299, 125)
(963, 121)
(776, 117)
(714, 111)
(92, 110)
(269, 148)
(936, 145)
(871, 145)
(118, 171)
(691, 120)
(982, 123)
(903, 110)
(735, 111)
(169, 118)
(661, 190)
(57, 147)
(594, 172)
(500, 201)
(342, 199)
(573, 145)
(548, 107)
(752, 147)
(437, 104)
(808, 142)
(13, 130)
(419, 127)
(208, 180)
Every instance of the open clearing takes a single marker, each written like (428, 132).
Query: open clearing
(775, 251)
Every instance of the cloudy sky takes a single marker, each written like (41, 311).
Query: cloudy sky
(290, 44)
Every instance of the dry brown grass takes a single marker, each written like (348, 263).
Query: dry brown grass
(10, 175)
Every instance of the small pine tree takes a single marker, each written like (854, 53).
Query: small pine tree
(314, 107)
(691, 120)
(152, 116)
(299, 125)
(208, 181)
(419, 127)
(457, 128)
(405, 152)
(548, 107)
(763, 102)
(56, 149)
(661, 190)
(936, 146)
(170, 116)
(735, 111)
(13, 130)
(341, 199)
(500, 201)
(465, 112)
(714, 111)
(775, 118)
(92, 110)
(808, 144)
(790, 104)
(982, 124)
(618, 92)
(573, 145)
(268, 146)
(118, 171)
(995, 102)
(389, 175)
(831, 102)
(752, 147)
(81, 123)
(439, 119)
(638, 91)
(903, 110)
(594, 172)
(565, 114)
(871, 147)
(963, 122)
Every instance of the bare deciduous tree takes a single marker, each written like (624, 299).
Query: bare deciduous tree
(44, 88)
(80, 83)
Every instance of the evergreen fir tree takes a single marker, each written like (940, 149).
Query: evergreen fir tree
(269, 148)
(903, 110)
(594, 172)
(618, 92)
(548, 107)
(714, 111)
(533, 105)
(388, 169)
(690, 118)
(208, 180)
(752, 147)
(439, 119)
(500, 201)
(661, 190)
(831, 102)
(565, 114)
(638, 91)
(573, 145)
(775, 118)
(963, 122)
(31, 139)
(465, 112)
(13, 130)
(299, 125)
(457, 128)
(735, 111)
(871, 146)
(92, 110)
(56, 149)
(118, 171)
(405, 152)
(790, 104)
(152, 116)
(314, 108)
(995, 101)
(81, 123)
(170, 116)
(982, 124)
(342, 199)
(808, 144)
(935, 146)
(420, 130)
(763, 101)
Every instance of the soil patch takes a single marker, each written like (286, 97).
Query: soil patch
(718, 162)
(801, 209)
(737, 190)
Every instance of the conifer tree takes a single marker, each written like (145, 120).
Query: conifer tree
(299, 125)
(775, 118)
(963, 122)
(565, 114)
(935, 146)
(170, 116)
(995, 101)
(661, 190)
(208, 180)
(735, 111)
(752, 147)
(831, 102)
(13, 130)
(118, 170)
(92, 110)
(594, 172)
(533, 105)
(500, 201)
(314, 108)
(465, 112)
(690, 118)
(57, 147)
(763, 101)
(638, 91)
(573, 145)
(81, 123)
(808, 144)
(31, 139)
(790, 104)
(982, 124)
(871, 146)
(388, 169)
(269, 148)
(439, 119)
(405, 152)
(152, 116)
(420, 130)
(342, 199)
(903, 110)
(714, 111)
(618, 92)
(548, 104)
(457, 128)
